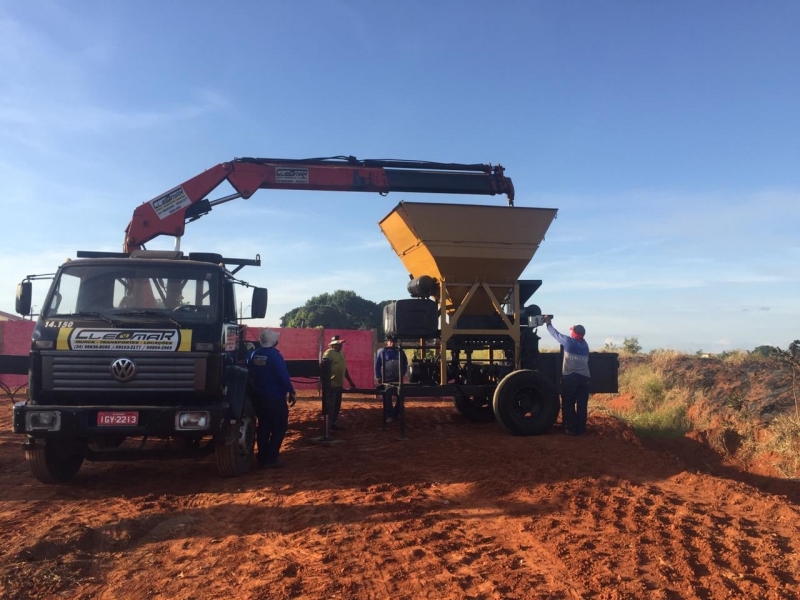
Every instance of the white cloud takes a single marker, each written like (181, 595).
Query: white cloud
(675, 268)
(49, 87)
(29, 113)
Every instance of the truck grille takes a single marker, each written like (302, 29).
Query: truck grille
(63, 371)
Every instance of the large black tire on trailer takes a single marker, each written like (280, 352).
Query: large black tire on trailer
(477, 409)
(52, 461)
(235, 457)
(526, 403)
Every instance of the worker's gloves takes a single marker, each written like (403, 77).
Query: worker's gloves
(292, 400)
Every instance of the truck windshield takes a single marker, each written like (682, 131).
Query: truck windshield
(184, 293)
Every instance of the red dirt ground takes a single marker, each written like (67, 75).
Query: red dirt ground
(456, 510)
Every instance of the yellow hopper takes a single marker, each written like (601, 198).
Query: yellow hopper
(465, 244)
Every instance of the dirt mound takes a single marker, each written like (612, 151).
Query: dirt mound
(733, 406)
(756, 390)
(455, 510)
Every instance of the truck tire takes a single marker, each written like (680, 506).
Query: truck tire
(51, 461)
(477, 409)
(234, 452)
(526, 403)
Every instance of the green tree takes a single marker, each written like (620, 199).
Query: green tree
(339, 310)
(631, 345)
(765, 351)
(290, 316)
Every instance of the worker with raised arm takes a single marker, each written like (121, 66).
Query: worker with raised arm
(272, 386)
(575, 378)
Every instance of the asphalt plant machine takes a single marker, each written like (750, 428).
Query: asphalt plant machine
(139, 354)
(147, 344)
(472, 335)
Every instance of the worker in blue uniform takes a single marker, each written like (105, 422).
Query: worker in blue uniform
(272, 387)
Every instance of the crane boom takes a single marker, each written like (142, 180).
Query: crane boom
(168, 213)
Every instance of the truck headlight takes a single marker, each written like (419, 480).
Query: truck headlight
(43, 420)
(192, 420)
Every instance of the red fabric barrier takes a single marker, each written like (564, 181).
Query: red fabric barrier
(358, 349)
(305, 344)
(15, 339)
(295, 344)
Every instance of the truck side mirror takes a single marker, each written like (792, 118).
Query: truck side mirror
(24, 298)
(258, 305)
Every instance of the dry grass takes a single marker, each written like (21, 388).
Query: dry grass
(668, 420)
(657, 410)
(659, 359)
(783, 440)
(737, 357)
(663, 397)
(646, 386)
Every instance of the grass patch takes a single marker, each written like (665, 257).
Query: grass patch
(660, 359)
(784, 441)
(668, 420)
(645, 385)
(657, 411)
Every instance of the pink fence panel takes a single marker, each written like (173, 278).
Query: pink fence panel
(15, 339)
(305, 344)
(295, 344)
(359, 349)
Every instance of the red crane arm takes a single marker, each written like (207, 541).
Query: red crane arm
(168, 213)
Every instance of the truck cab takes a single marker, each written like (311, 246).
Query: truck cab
(141, 345)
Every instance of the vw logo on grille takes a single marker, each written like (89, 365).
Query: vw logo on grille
(123, 369)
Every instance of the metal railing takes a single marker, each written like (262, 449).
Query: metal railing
(13, 365)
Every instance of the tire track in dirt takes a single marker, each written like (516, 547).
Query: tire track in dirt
(683, 547)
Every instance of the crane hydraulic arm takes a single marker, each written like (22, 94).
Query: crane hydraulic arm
(168, 213)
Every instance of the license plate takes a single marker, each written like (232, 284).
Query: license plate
(112, 418)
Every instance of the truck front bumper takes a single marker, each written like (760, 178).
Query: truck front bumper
(90, 422)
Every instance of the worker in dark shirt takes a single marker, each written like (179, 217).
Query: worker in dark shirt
(391, 365)
(272, 385)
(575, 378)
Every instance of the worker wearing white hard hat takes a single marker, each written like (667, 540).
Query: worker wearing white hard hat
(272, 386)
(339, 373)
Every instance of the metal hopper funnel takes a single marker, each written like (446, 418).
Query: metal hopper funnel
(463, 244)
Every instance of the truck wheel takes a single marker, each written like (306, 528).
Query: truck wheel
(53, 462)
(234, 457)
(526, 403)
(477, 409)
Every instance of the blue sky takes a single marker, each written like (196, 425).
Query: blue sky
(667, 135)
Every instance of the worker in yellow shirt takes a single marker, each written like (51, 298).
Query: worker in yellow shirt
(338, 374)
